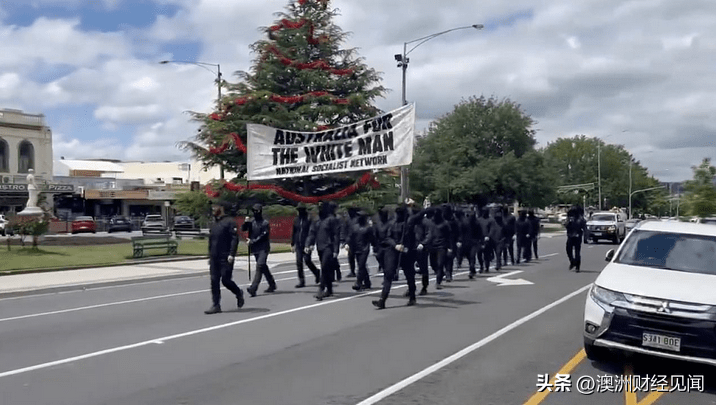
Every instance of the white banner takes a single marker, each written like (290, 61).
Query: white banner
(379, 142)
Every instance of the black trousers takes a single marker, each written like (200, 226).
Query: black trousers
(471, 253)
(422, 263)
(220, 270)
(262, 270)
(573, 246)
(304, 258)
(328, 268)
(379, 259)
(523, 250)
(362, 278)
(391, 264)
(508, 249)
(438, 263)
(352, 259)
(461, 253)
(448, 263)
(488, 253)
(498, 251)
(534, 242)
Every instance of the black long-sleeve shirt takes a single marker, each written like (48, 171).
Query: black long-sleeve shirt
(223, 238)
(522, 229)
(258, 234)
(442, 236)
(300, 231)
(362, 238)
(325, 234)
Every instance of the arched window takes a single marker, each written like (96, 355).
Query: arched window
(26, 155)
(4, 156)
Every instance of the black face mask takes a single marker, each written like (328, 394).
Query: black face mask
(257, 214)
(302, 213)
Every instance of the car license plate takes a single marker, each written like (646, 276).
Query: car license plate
(597, 233)
(661, 341)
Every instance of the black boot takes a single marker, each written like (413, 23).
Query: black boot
(215, 309)
(301, 284)
(411, 301)
(406, 294)
(270, 289)
(240, 300)
(379, 303)
(356, 287)
(423, 291)
(251, 291)
(577, 266)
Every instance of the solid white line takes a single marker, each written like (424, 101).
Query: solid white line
(448, 360)
(109, 304)
(181, 335)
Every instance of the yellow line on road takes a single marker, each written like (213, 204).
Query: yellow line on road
(630, 394)
(654, 396)
(566, 369)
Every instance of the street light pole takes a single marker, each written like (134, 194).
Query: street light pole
(639, 191)
(402, 60)
(219, 88)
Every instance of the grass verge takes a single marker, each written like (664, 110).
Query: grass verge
(20, 259)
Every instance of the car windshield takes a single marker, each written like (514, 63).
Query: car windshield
(182, 219)
(670, 251)
(153, 218)
(83, 219)
(603, 217)
(711, 221)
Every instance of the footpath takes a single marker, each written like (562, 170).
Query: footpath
(67, 280)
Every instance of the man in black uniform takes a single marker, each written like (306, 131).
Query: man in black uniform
(472, 237)
(440, 245)
(423, 231)
(509, 232)
(223, 243)
(362, 239)
(575, 227)
(399, 246)
(497, 237)
(487, 225)
(454, 240)
(325, 234)
(380, 228)
(299, 235)
(534, 232)
(460, 252)
(522, 236)
(346, 239)
(258, 242)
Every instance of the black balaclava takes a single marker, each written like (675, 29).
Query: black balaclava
(531, 214)
(256, 209)
(499, 218)
(302, 212)
(383, 215)
(324, 210)
(447, 212)
(437, 216)
(484, 213)
(400, 214)
(353, 212)
(362, 218)
(429, 213)
(523, 214)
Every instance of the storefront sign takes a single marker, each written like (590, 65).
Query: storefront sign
(47, 188)
(161, 195)
(115, 194)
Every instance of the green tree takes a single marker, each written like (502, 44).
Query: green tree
(479, 153)
(301, 80)
(700, 191)
(195, 204)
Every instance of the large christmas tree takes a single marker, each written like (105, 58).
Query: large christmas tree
(301, 80)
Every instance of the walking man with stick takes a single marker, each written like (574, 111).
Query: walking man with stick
(258, 242)
(223, 243)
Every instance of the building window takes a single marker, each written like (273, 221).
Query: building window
(26, 155)
(4, 156)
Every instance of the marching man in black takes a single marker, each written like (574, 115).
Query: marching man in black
(398, 245)
(441, 244)
(223, 243)
(534, 231)
(347, 240)
(575, 227)
(522, 236)
(423, 231)
(487, 225)
(362, 239)
(299, 235)
(509, 232)
(325, 234)
(472, 236)
(258, 242)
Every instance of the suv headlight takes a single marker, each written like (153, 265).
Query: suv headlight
(605, 298)
(711, 313)
(611, 228)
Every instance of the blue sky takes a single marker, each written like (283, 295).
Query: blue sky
(640, 74)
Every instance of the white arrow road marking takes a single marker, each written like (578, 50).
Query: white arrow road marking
(501, 280)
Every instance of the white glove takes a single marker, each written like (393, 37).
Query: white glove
(527, 236)
(420, 246)
(514, 237)
(336, 255)
(248, 241)
(293, 249)
(230, 259)
(458, 244)
(209, 262)
(450, 250)
(486, 239)
(399, 247)
(307, 250)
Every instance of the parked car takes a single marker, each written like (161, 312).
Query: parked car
(117, 224)
(183, 223)
(153, 223)
(711, 221)
(3, 224)
(562, 217)
(83, 224)
(656, 296)
(606, 225)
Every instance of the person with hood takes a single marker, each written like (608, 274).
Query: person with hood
(423, 234)
(441, 244)
(299, 236)
(398, 248)
(380, 228)
(534, 231)
(223, 243)
(487, 225)
(575, 227)
(450, 219)
(461, 252)
(472, 237)
(509, 232)
(325, 234)
(497, 237)
(522, 236)
(362, 239)
(258, 241)
(346, 240)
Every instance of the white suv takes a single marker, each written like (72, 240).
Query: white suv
(656, 296)
(606, 225)
(3, 223)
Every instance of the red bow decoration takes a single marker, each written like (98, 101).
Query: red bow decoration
(225, 145)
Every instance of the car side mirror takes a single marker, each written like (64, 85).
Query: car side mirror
(609, 255)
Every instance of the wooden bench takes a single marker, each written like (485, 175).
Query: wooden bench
(141, 243)
(192, 233)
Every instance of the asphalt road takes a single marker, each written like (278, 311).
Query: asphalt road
(483, 341)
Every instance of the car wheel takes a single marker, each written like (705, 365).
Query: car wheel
(616, 240)
(595, 353)
(595, 240)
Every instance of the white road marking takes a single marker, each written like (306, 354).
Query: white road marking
(185, 334)
(502, 280)
(448, 360)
